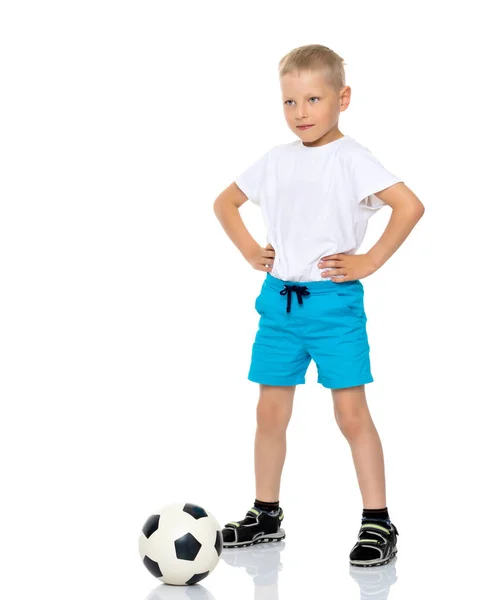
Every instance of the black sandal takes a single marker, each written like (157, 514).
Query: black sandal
(257, 527)
(373, 538)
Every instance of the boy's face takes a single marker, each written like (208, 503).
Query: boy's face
(309, 99)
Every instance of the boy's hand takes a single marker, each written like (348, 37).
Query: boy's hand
(262, 259)
(347, 267)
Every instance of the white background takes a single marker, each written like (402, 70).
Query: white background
(127, 315)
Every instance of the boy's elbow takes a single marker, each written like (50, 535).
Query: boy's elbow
(216, 206)
(415, 207)
(420, 209)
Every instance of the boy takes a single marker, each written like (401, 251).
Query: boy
(316, 195)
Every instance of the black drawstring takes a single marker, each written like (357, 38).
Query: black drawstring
(301, 290)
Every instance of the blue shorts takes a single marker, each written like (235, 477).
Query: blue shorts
(319, 320)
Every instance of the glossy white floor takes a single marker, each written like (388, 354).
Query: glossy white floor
(81, 485)
(269, 572)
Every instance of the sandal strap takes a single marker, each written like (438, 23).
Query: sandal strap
(253, 512)
(374, 527)
(381, 537)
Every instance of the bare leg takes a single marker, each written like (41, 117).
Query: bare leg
(352, 415)
(273, 414)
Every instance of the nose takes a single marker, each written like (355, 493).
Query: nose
(300, 112)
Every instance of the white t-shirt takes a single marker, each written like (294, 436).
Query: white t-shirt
(315, 201)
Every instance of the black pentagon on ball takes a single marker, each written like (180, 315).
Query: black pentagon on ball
(151, 525)
(187, 547)
(152, 566)
(195, 511)
(219, 543)
(197, 578)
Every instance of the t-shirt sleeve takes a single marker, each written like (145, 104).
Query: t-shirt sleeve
(250, 181)
(368, 177)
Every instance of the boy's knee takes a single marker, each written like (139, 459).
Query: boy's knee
(353, 422)
(272, 416)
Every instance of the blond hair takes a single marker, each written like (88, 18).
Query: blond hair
(315, 57)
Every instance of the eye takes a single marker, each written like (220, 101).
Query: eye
(312, 98)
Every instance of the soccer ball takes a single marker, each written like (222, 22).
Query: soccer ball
(181, 544)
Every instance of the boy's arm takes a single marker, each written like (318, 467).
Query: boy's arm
(226, 210)
(407, 210)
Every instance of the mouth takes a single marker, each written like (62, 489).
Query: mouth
(304, 126)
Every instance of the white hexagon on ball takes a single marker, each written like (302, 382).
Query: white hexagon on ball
(181, 544)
